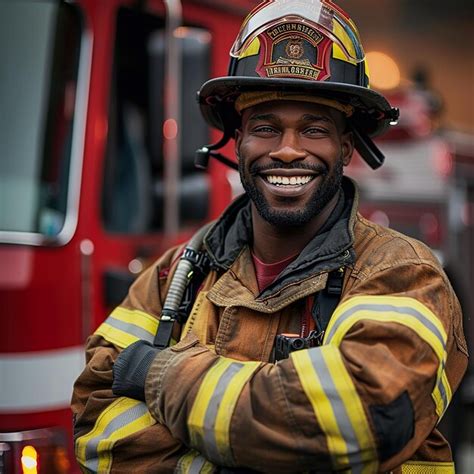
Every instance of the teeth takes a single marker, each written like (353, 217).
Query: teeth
(285, 181)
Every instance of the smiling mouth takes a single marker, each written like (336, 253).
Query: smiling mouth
(277, 180)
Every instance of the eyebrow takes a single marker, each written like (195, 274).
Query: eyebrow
(317, 118)
(263, 117)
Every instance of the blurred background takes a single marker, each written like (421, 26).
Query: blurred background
(98, 131)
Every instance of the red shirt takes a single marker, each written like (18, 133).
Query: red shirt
(267, 272)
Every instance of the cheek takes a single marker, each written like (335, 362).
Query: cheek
(254, 148)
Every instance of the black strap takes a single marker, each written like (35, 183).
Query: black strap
(327, 300)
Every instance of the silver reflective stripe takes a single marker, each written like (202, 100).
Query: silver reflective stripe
(197, 465)
(129, 328)
(210, 418)
(132, 414)
(354, 449)
(382, 308)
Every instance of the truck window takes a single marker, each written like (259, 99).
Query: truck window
(133, 174)
(39, 52)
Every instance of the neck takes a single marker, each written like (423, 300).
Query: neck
(275, 243)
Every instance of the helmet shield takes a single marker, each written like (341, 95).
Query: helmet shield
(295, 16)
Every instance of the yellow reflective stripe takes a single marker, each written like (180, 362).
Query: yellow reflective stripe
(121, 418)
(137, 317)
(428, 467)
(321, 406)
(106, 445)
(400, 310)
(203, 397)
(212, 410)
(337, 408)
(123, 327)
(115, 336)
(194, 463)
(228, 402)
(351, 401)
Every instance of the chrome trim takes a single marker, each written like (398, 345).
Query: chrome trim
(21, 436)
(172, 111)
(77, 159)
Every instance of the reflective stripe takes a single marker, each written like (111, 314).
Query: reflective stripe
(337, 408)
(193, 463)
(211, 413)
(426, 467)
(123, 327)
(400, 310)
(120, 419)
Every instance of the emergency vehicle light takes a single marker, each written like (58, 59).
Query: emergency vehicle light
(29, 460)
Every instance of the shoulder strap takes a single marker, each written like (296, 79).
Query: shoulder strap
(328, 299)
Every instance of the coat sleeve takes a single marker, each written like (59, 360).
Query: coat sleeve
(366, 399)
(118, 434)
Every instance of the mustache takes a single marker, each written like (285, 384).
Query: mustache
(321, 169)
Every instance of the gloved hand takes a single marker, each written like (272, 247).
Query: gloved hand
(131, 368)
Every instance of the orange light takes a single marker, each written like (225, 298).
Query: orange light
(29, 460)
(170, 129)
(384, 71)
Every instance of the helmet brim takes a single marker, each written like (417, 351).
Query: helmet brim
(217, 98)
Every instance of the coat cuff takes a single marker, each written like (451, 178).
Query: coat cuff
(160, 366)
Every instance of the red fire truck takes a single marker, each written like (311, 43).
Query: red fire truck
(91, 94)
(91, 157)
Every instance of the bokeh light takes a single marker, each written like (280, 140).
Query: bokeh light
(384, 71)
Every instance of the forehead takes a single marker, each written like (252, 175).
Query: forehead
(292, 110)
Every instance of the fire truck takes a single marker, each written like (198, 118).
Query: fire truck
(98, 128)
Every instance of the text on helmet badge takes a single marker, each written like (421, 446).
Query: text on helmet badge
(296, 51)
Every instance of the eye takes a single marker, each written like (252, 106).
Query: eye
(264, 130)
(315, 131)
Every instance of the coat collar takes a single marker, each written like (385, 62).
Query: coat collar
(227, 241)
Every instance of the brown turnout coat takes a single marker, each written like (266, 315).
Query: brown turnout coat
(367, 400)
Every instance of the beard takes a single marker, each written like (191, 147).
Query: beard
(321, 196)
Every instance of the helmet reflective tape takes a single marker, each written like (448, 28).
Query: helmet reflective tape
(317, 14)
(252, 50)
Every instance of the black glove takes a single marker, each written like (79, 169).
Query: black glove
(131, 368)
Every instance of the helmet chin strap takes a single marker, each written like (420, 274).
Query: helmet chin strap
(367, 149)
(202, 155)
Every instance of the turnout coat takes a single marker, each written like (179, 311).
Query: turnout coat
(367, 400)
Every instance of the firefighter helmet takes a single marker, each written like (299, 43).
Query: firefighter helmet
(305, 48)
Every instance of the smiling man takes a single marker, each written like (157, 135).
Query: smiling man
(291, 158)
(308, 339)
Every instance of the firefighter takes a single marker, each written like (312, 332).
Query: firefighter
(311, 339)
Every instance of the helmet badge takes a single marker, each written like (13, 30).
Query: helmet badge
(294, 50)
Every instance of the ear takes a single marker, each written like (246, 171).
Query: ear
(347, 145)
(238, 141)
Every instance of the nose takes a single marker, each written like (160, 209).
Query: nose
(288, 149)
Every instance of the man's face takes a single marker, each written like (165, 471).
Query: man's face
(291, 156)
